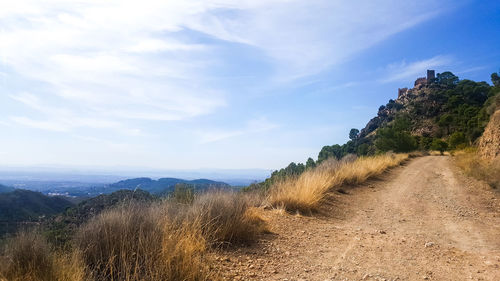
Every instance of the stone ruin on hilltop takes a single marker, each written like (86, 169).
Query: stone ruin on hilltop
(419, 83)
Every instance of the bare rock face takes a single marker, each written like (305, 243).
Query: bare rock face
(489, 143)
(426, 128)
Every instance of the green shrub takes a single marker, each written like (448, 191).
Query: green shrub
(439, 145)
(457, 140)
(183, 193)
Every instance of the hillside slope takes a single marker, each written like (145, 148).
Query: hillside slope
(4, 189)
(442, 108)
(24, 206)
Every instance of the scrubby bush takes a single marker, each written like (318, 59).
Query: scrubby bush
(226, 217)
(439, 145)
(28, 258)
(457, 140)
(124, 243)
(390, 139)
(183, 193)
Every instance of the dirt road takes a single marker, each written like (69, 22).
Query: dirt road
(422, 221)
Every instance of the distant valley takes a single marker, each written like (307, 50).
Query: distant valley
(20, 206)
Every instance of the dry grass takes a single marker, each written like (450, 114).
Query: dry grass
(306, 192)
(137, 242)
(28, 257)
(437, 153)
(160, 241)
(226, 217)
(70, 266)
(166, 241)
(473, 165)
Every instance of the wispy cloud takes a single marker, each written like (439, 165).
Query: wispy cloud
(252, 127)
(111, 61)
(59, 119)
(307, 37)
(117, 146)
(128, 67)
(471, 70)
(43, 125)
(403, 70)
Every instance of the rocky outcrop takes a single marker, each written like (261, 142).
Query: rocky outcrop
(489, 143)
(435, 108)
(417, 102)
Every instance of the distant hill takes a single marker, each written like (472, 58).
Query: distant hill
(165, 185)
(93, 206)
(4, 188)
(25, 206)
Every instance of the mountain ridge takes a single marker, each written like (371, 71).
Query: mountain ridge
(165, 185)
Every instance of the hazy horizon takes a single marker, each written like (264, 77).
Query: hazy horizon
(11, 175)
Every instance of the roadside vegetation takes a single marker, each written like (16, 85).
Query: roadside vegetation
(165, 240)
(475, 166)
(304, 193)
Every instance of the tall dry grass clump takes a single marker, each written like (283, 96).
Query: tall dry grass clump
(305, 192)
(28, 257)
(226, 217)
(473, 165)
(166, 241)
(366, 167)
(138, 242)
(70, 266)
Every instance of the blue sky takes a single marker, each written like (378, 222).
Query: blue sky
(218, 84)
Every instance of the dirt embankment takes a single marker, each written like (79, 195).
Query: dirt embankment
(489, 143)
(422, 221)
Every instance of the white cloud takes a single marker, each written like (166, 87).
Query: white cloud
(307, 37)
(112, 61)
(116, 146)
(252, 127)
(97, 64)
(44, 125)
(93, 57)
(470, 70)
(157, 45)
(64, 120)
(403, 70)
